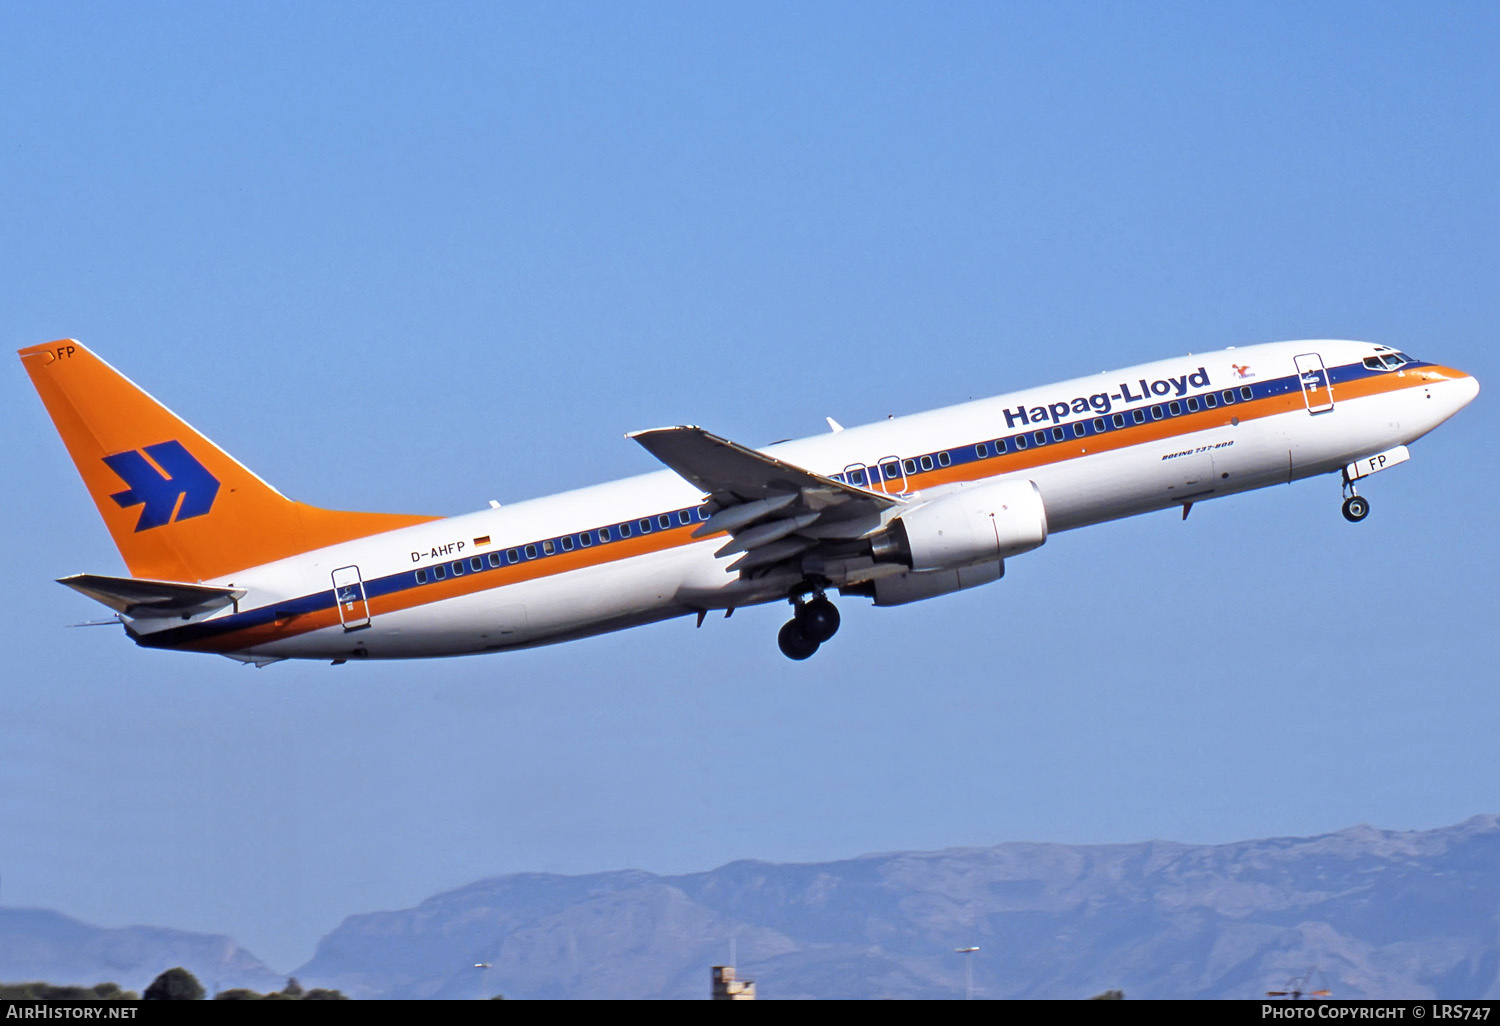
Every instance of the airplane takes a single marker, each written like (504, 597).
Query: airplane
(898, 511)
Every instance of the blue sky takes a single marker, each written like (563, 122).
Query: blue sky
(414, 258)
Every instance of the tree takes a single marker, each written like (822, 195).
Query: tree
(237, 994)
(176, 984)
(291, 992)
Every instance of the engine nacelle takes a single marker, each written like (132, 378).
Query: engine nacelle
(913, 586)
(975, 524)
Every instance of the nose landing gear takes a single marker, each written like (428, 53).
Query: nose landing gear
(814, 620)
(1356, 506)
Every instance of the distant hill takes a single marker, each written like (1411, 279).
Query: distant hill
(1380, 913)
(36, 944)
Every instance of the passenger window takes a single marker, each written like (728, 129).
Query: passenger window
(999, 446)
(1020, 442)
(1057, 434)
(926, 462)
(548, 548)
(1080, 429)
(944, 459)
(1192, 405)
(1139, 416)
(1040, 438)
(624, 530)
(892, 470)
(567, 543)
(1210, 401)
(683, 517)
(585, 539)
(1175, 407)
(437, 572)
(531, 552)
(1156, 413)
(458, 567)
(910, 465)
(476, 564)
(421, 576)
(982, 451)
(1228, 395)
(1118, 420)
(703, 513)
(857, 477)
(645, 526)
(664, 521)
(494, 560)
(1098, 425)
(1246, 394)
(512, 556)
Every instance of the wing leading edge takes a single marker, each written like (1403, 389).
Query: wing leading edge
(732, 474)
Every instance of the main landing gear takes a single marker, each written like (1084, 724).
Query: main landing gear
(814, 620)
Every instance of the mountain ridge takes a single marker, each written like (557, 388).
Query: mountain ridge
(42, 944)
(1158, 918)
(1379, 913)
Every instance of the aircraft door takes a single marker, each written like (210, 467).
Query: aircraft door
(349, 595)
(884, 475)
(1316, 388)
(860, 476)
(889, 476)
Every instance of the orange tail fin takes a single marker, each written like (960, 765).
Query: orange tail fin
(178, 507)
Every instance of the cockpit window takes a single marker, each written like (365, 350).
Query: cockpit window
(1387, 361)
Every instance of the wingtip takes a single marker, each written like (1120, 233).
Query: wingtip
(660, 430)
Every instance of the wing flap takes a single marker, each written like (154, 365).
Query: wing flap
(764, 504)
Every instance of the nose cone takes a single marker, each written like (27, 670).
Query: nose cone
(1455, 388)
(1468, 388)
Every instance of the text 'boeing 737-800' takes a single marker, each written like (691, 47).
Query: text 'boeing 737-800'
(905, 509)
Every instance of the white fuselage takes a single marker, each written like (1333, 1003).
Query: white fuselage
(1104, 466)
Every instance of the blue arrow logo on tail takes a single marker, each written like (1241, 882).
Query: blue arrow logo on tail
(185, 477)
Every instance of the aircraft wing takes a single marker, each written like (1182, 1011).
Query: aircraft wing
(774, 511)
(732, 473)
(143, 598)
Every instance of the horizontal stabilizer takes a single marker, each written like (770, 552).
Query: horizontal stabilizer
(138, 598)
